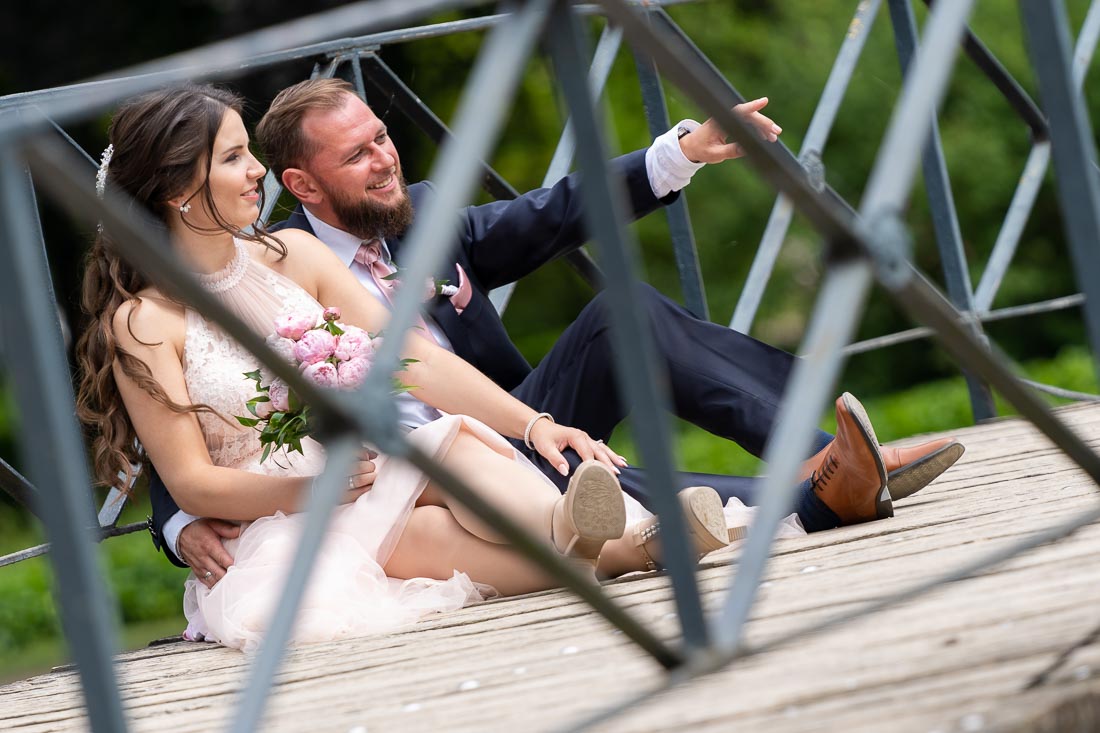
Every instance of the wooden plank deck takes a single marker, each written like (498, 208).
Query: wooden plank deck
(958, 659)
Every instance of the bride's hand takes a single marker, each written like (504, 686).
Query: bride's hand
(550, 439)
(361, 477)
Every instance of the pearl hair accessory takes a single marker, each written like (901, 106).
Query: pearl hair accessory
(101, 174)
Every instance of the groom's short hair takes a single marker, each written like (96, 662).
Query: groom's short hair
(280, 130)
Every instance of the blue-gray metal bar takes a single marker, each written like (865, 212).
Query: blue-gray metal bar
(326, 493)
(386, 81)
(249, 51)
(136, 239)
(945, 220)
(642, 379)
(912, 334)
(842, 294)
(779, 221)
(1023, 200)
(608, 47)
(835, 316)
(104, 533)
(293, 41)
(44, 394)
(17, 487)
(679, 220)
(1073, 150)
(357, 77)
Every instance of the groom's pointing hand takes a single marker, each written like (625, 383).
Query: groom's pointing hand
(707, 143)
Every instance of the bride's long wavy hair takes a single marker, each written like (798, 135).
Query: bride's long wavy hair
(163, 143)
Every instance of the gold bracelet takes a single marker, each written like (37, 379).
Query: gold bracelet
(531, 425)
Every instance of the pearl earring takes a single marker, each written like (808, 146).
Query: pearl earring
(185, 208)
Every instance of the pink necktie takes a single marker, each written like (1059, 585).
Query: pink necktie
(369, 255)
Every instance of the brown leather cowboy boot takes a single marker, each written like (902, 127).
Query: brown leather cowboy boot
(851, 477)
(908, 469)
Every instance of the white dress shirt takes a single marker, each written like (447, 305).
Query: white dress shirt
(668, 170)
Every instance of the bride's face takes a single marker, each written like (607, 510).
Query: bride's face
(234, 180)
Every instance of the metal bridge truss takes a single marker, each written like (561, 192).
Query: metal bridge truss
(861, 244)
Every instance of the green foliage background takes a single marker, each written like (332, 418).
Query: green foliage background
(783, 50)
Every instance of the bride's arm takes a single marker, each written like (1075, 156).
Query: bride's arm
(443, 380)
(174, 441)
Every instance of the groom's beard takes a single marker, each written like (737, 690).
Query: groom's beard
(369, 219)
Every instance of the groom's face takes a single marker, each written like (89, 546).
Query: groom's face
(356, 166)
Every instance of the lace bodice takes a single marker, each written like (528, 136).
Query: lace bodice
(214, 363)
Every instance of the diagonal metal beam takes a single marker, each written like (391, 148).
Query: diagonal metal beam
(608, 47)
(644, 384)
(813, 145)
(679, 220)
(1073, 149)
(43, 391)
(945, 220)
(386, 81)
(1027, 191)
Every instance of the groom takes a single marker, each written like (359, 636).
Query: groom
(330, 150)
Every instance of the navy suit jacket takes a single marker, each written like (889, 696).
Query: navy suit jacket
(497, 243)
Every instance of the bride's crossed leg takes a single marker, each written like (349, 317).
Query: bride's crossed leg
(442, 535)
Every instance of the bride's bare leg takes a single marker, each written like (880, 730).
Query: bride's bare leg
(434, 545)
(516, 490)
(620, 556)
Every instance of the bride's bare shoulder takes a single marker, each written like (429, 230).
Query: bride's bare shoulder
(305, 255)
(149, 320)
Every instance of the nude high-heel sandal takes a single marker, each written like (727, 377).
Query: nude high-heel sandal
(591, 513)
(706, 525)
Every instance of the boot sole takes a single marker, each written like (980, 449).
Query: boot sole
(706, 520)
(884, 506)
(594, 504)
(912, 477)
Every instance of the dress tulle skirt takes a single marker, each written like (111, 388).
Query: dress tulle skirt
(348, 593)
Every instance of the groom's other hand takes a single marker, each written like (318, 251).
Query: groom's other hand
(200, 546)
(708, 142)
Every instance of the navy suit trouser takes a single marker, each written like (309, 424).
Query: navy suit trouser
(723, 381)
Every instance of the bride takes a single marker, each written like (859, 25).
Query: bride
(154, 371)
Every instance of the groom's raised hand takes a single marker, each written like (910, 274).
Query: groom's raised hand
(708, 142)
(200, 546)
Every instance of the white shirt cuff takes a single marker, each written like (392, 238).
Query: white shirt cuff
(666, 165)
(172, 529)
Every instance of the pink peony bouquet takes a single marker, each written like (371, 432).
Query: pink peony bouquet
(329, 354)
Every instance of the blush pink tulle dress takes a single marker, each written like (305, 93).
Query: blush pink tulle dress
(348, 594)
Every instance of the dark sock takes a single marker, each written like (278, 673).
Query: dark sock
(814, 513)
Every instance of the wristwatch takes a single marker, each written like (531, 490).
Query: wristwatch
(680, 132)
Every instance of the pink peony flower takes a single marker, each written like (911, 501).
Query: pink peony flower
(322, 374)
(314, 346)
(279, 393)
(284, 347)
(353, 343)
(294, 325)
(332, 314)
(353, 372)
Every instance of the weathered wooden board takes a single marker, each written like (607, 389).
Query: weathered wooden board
(957, 659)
